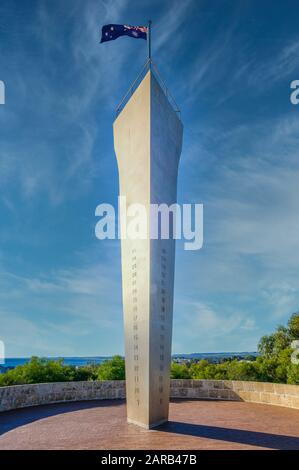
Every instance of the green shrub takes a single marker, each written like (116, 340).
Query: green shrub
(179, 371)
(242, 370)
(293, 374)
(39, 370)
(229, 370)
(203, 370)
(113, 369)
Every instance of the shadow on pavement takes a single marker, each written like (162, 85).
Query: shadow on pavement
(241, 436)
(13, 419)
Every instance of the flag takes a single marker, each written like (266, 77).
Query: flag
(114, 31)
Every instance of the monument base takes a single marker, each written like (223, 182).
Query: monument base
(147, 426)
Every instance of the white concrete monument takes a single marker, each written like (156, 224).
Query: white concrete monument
(147, 141)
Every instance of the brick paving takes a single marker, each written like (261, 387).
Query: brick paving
(194, 424)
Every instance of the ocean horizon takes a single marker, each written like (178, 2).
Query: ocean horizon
(79, 361)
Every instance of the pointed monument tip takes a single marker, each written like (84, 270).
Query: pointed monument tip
(149, 71)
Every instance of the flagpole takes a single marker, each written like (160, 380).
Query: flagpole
(149, 42)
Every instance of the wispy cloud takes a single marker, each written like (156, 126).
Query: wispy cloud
(70, 94)
(212, 325)
(277, 67)
(68, 303)
(251, 221)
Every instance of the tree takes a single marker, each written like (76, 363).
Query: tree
(113, 369)
(179, 371)
(39, 370)
(242, 370)
(272, 345)
(282, 339)
(266, 345)
(293, 374)
(293, 326)
(203, 370)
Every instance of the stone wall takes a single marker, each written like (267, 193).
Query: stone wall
(255, 392)
(20, 396)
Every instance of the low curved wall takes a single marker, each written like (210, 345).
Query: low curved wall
(255, 392)
(20, 396)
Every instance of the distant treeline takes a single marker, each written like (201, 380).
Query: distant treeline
(272, 365)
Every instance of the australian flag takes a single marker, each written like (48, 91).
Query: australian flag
(114, 31)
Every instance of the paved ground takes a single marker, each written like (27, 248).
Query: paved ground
(193, 425)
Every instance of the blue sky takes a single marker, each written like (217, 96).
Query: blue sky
(229, 65)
